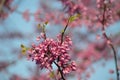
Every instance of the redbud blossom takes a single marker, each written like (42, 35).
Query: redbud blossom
(50, 51)
(111, 71)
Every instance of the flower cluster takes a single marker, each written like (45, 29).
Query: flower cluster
(51, 51)
(73, 6)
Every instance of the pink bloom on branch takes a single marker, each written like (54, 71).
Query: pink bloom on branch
(37, 15)
(26, 15)
(111, 71)
(4, 15)
(109, 42)
(98, 37)
(8, 3)
(38, 38)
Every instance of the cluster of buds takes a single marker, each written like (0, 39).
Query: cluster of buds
(50, 51)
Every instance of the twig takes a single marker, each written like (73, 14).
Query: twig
(64, 31)
(110, 44)
(60, 70)
(1, 5)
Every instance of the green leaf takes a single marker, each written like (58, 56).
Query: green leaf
(52, 74)
(22, 46)
(72, 18)
(24, 49)
(62, 31)
(46, 22)
(39, 26)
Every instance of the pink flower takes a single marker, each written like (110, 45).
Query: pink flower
(26, 15)
(4, 15)
(66, 70)
(111, 71)
(37, 15)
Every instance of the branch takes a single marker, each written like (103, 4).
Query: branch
(60, 70)
(109, 42)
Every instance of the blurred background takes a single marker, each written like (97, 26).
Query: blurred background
(18, 25)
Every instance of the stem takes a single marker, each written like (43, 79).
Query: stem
(64, 31)
(61, 73)
(110, 44)
(114, 51)
(115, 58)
